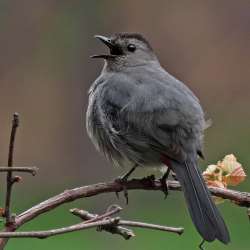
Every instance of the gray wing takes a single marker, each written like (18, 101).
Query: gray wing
(150, 113)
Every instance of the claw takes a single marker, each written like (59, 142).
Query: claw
(164, 184)
(125, 193)
(121, 180)
(164, 187)
(117, 195)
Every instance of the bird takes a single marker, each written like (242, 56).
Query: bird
(141, 116)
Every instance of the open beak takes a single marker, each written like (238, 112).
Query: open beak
(107, 41)
(114, 49)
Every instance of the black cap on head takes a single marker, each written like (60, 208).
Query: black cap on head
(137, 36)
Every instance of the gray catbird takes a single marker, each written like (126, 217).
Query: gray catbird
(140, 115)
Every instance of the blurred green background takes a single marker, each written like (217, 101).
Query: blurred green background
(45, 72)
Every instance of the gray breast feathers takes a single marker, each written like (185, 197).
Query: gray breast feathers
(134, 122)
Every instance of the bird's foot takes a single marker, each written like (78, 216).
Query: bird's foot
(122, 180)
(149, 179)
(164, 183)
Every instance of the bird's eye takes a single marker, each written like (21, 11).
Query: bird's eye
(131, 47)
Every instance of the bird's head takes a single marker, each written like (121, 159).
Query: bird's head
(126, 49)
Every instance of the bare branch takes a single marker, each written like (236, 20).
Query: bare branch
(91, 217)
(178, 230)
(121, 230)
(149, 183)
(63, 230)
(239, 198)
(114, 229)
(9, 179)
(88, 191)
(31, 170)
(242, 199)
(102, 221)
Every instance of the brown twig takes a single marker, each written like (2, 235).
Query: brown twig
(31, 170)
(53, 232)
(114, 229)
(240, 198)
(9, 178)
(178, 230)
(88, 191)
(91, 217)
(83, 225)
(103, 221)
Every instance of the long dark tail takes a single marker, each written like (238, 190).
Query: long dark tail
(205, 215)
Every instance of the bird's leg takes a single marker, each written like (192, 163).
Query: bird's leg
(164, 184)
(122, 179)
(126, 175)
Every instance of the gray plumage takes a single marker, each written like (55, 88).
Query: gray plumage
(139, 114)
